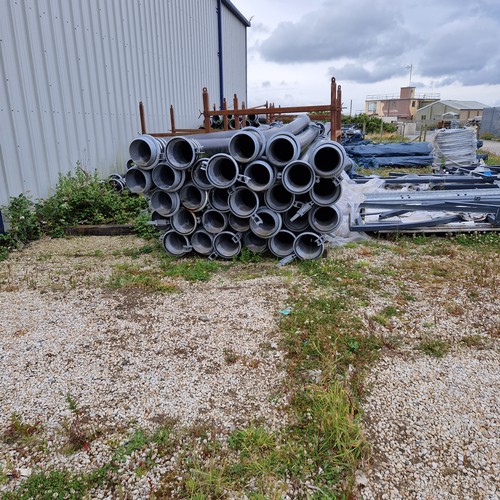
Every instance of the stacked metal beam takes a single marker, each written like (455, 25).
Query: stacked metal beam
(271, 188)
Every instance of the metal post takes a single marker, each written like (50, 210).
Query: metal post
(224, 116)
(142, 118)
(206, 110)
(236, 116)
(172, 119)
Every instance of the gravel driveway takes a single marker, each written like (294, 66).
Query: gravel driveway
(208, 353)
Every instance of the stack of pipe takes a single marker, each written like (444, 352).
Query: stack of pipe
(265, 189)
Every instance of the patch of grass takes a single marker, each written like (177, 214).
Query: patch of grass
(21, 432)
(125, 276)
(472, 341)
(230, 357)
(190, 269)
(493, 159)
(59, 484)
(434, 347)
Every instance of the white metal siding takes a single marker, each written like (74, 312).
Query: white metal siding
(234, 58)
(73, 72)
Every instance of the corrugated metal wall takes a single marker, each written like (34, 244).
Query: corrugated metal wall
(73, 72)
(234, 57)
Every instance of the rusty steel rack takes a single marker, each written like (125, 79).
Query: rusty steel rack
(272, 113)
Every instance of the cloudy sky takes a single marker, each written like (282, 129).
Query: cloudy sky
(295, 46)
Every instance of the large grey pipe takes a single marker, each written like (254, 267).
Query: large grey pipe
(165, 203)
(199, 174)
(281, 244)
(285, 147)
(183, 221)
(326, 191)
(146, 151)
(255, 243)
(297, 225)
(183, 152)
(175, 244)
(202, 242)
(222, 170)
(259, 175)
(168, 178)
(265, 223)
(219, 199)
(298, 177)
(278, 198)
(214, 221)
(243, 202)
(328, 158)
(193, 198)
(308, 246)
(324, 219)
(138, 180)
(239, 224)
(247, 145)
(227, 245)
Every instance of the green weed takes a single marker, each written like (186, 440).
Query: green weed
(190, 269)
(125, 276)
(434, 347)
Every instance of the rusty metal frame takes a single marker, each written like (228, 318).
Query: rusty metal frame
(272, 113)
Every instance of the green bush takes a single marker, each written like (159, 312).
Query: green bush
(79, 198)
(372, 123)
(82, 198)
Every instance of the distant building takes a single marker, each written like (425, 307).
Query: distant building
(439, 111)
(400, 107)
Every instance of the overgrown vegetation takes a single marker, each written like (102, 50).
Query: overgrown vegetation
(370, 124)
(79, 197)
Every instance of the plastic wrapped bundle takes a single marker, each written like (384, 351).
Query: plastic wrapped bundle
(454, 148)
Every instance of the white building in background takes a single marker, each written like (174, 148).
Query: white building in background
(74, 71)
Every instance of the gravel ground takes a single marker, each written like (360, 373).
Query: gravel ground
(129, 359)
(433, 423)
(208, 354)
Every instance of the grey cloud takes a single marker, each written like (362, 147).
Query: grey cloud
(338, 30)
(469, 59)
(358, 73)
(266, 84)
